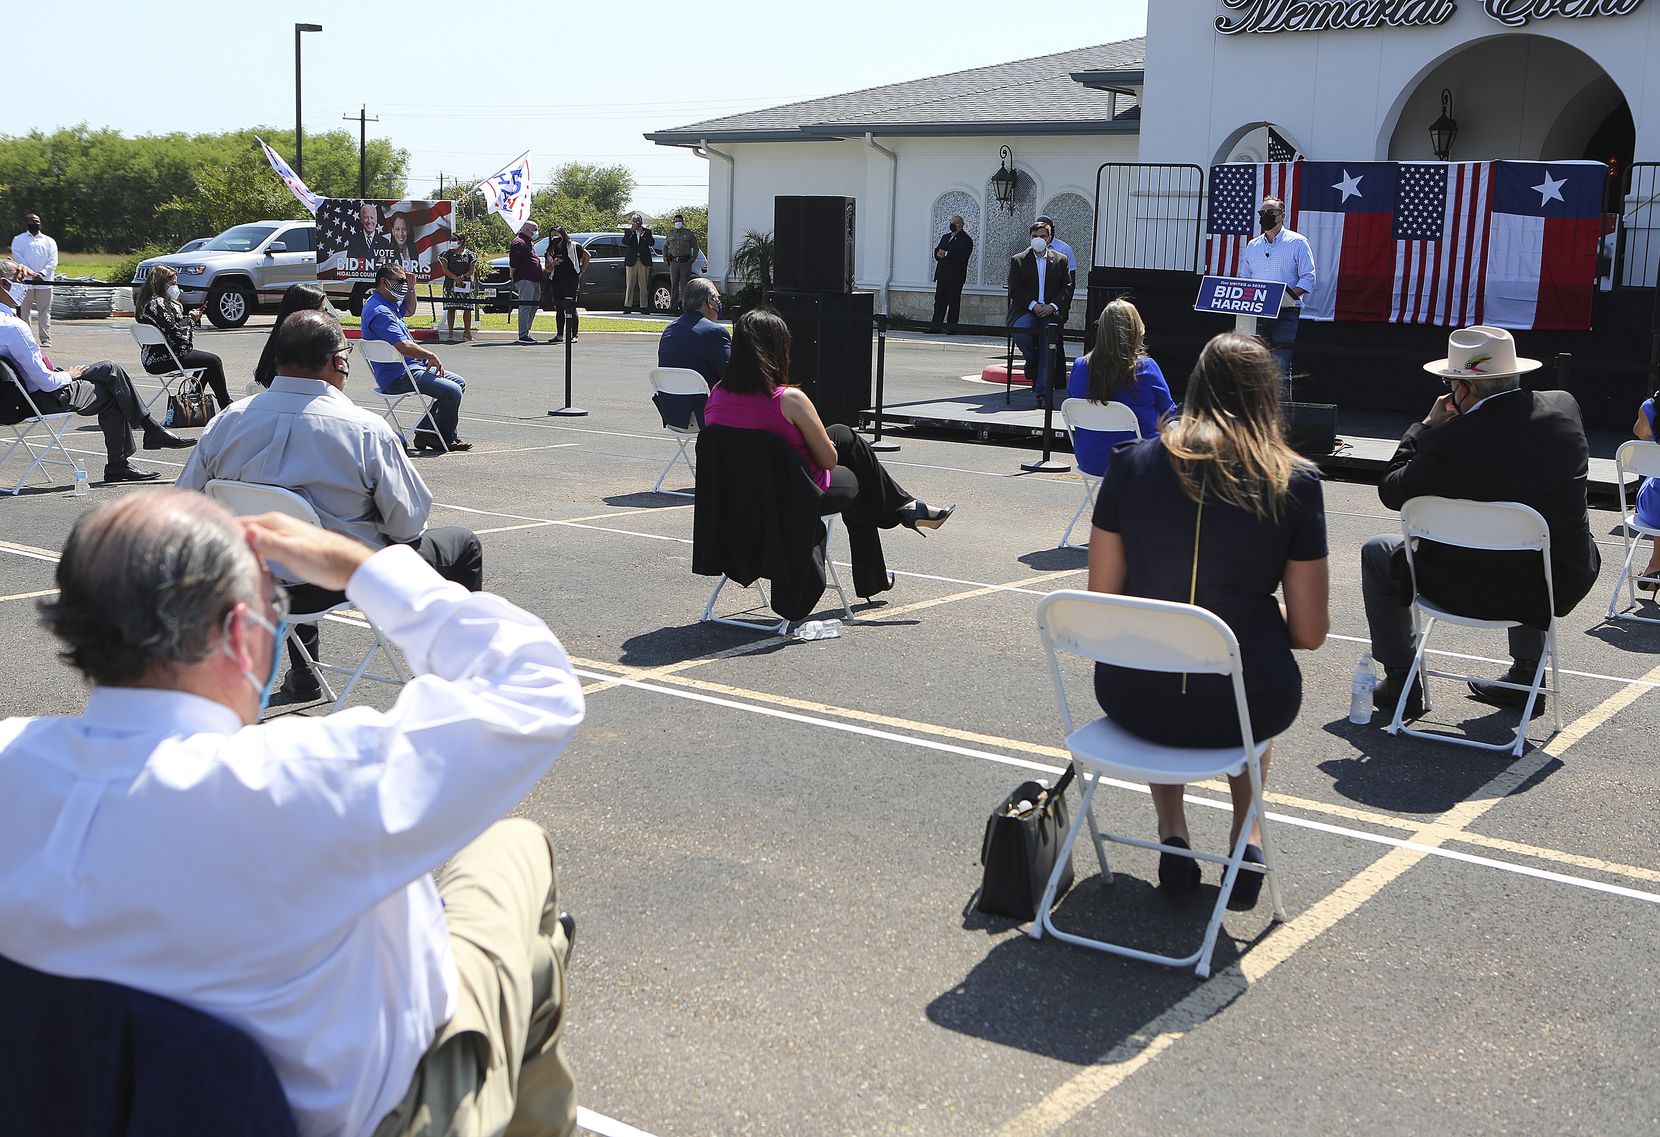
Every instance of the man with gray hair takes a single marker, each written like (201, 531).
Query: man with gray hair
(1485, 440)
(696, 340)
(638, 245)
(278, 876)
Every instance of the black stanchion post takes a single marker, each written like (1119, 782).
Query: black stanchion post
(568, 411)
(1008, 373)
(1046, 464)
(876, 442)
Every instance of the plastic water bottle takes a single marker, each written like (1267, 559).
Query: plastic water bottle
(80, 478)
(819, 630)
(1360, 691)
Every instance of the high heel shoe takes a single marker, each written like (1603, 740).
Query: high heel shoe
(918, 516)
(889, 585)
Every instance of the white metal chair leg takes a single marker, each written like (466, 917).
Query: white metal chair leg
(682, 456)
(1089, 500)
(1040, 922)
(41, 459)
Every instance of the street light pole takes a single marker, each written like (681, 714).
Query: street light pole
(299, 159)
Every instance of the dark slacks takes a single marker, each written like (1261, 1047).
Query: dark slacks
(1390, 620)
(948, 298)
(106, 390)
(868, 500)
(213, 372)
(562, 295)
(453, 552)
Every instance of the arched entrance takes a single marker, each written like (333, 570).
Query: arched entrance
(1525, 97)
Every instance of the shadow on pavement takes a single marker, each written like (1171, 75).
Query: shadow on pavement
(685, 642)
(645, 499)
(1412, 775)
(1055, 560)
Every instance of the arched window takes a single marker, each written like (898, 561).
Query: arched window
(1075, 224)
(1005, 234)
(955, 203)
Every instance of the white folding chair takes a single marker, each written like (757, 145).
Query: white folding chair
(379, 351)
(1149, 635)
(782, 627)
(1634, 458)
(23, 432)
(1506, 526)
(1081, 414)
(679, 381)
(148, 335)
(248, 498)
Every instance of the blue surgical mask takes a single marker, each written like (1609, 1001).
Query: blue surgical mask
(279, 633)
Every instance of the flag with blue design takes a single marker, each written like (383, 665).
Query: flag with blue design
(508, 191)
(308, 199)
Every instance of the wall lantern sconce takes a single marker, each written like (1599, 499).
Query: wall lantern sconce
(1444, 129)
(1004, 181)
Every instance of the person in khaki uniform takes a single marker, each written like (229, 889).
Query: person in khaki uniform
(280, 875)
(680, 250)
(638, 245)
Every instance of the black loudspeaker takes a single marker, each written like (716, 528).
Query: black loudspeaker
(830, 349)
(1313, 429)
(812, 244)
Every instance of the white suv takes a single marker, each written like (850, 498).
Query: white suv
(245, 268)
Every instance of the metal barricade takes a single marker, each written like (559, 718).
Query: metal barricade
(1149, 215)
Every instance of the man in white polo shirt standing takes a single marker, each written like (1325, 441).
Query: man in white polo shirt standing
(38, 253)
(1278, 254)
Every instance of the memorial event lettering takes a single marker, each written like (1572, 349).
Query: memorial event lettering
(1263, 16)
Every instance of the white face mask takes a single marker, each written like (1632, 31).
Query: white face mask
(173, 292)
(1039, 245)
(679, 224)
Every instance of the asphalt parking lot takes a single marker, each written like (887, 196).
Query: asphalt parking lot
(770, 846)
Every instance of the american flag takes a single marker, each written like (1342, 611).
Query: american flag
(1236, 189)
(337, 220)
(1442, 227)
(1279, 149)
(295, 186)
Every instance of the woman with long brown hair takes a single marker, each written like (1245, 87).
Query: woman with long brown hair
(755, 394)
(1220, 512)
(158, 306)
(1117, 370)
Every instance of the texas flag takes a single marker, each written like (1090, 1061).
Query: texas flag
(1542, 251)
(1346, 210)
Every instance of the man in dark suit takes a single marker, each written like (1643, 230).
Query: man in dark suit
(950, 271)
(694, 341)
(638, 246)
(1040, 296)
(1486, 440)
(369, 243)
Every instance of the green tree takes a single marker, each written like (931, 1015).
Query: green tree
(607, 189)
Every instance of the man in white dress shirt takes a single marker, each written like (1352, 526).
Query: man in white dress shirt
(278, 876)
(37, 253)
(1279, 254)
(305, 435)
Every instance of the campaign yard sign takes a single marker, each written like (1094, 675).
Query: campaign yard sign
(355, 236)
(1236, 296)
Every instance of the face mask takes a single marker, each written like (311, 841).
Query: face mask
(1039, 244)
(1268, 219)
(679, 224)
(279, 632)
(173, 292)
(35, 229)
(955, 228)
(399, 293)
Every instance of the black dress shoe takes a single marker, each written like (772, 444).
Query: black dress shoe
(457, 445)
(950, 329)
(1387, 693)
(159, 439)
(126, 473)
(568, 923)
(884, 588)
(301, 686)
(1521, 671)
(1178, 875)
(919, 517)
(1247, 886)
(428, 440)
(933, 329)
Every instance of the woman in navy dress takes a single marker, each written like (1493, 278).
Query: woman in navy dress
(1648, 494)
(1117, 370)
(1220, 512)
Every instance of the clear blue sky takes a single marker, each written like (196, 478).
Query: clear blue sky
(464, 92)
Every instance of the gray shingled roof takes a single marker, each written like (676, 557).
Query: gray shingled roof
(1028, 96)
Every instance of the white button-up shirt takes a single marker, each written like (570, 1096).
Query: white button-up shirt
(307, 436)
(17, 344)
(277, 876)
(1286, 258)
(38, 252)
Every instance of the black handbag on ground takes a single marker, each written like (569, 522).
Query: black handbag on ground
(1020, 847)
(189, 405)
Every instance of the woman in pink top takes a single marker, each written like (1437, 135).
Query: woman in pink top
(755, 394)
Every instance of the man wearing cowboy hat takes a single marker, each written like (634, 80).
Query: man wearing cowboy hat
(1485, 440)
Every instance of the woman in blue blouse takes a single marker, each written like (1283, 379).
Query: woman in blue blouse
(1648, 494)
(1117, 371)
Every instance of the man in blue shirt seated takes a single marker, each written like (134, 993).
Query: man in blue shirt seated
(383, 319)
(696, 342)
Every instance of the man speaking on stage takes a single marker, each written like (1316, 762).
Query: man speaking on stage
(1278, 254)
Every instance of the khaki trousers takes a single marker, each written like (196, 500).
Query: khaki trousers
(638, 284)
(499, 1066)
(39, 301)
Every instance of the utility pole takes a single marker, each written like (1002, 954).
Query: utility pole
(363, 121)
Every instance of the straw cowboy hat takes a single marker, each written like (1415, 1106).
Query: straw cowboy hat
(1480, 352)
